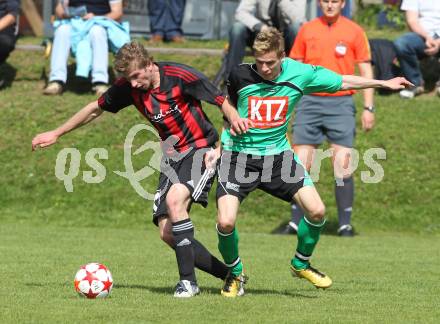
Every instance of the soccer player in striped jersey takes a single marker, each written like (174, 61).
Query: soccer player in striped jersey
(266, 93)
(169, 95)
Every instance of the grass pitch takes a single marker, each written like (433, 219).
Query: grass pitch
(377, 278)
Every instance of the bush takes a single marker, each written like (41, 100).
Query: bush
(380, 16)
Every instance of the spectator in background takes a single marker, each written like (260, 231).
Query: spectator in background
(86, 28)
(8, 30)
(338, 44)
(253, 16)
(347, 11)
(166, 20)
(423, 19)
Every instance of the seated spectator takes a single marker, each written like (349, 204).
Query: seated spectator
(87, 29)
(166, 20)
(8, 29)
(253, 16)
(423, 19)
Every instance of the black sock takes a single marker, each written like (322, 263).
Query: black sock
(297, 214)
(205, 261)
(183, 233)
(344, 199)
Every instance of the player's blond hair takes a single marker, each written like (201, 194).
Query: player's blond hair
(132, 56)
(269, 40)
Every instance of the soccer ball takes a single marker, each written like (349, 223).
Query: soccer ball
(93, 280)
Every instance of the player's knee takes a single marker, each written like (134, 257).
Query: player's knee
(317, 213)
(225, 225)
(175, 200)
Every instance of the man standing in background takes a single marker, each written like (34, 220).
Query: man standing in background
(336, 43)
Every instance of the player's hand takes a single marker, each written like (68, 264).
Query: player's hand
(367, 120)
(211, 158)
(398, 83)
(44, 140)
(240, 126)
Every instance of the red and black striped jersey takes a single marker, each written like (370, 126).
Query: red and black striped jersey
(174, 108)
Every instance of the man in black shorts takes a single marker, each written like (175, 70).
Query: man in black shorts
(266, 93)
(168, 95)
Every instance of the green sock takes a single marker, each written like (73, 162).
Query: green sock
(308, 236)
(228, 247)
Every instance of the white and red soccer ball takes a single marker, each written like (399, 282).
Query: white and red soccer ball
(93, 280)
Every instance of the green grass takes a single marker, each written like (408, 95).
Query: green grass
(381, 278)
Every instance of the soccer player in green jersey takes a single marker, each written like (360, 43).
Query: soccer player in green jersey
(260, 156)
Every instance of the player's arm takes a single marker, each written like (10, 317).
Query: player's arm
(82, 117)
(366, 71)
(212, 156)
(354, 82)
(203, 89)
(237, 124)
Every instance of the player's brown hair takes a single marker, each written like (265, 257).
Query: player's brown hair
(130, 57)
(269, 40)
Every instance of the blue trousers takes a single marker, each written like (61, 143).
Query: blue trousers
(410, 48)
(166, 17)
(61, 51)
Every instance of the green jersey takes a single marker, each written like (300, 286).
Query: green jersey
(269, 104)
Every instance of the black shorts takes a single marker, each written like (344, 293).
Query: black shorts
(190, 171)
(280, 175)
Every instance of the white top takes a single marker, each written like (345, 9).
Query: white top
(429, 13)
(253, 12)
